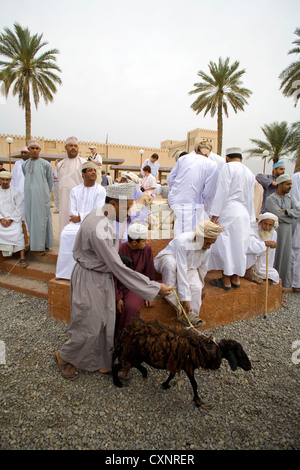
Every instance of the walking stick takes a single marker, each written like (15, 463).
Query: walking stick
(267, 282)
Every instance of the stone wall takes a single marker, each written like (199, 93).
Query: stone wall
(129, 153)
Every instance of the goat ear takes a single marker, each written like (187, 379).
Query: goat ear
(232, 360)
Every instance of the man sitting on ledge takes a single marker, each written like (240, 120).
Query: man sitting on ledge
(83, 198)
(139, 251)
(11, 213)
(183, 265)
(262, 237)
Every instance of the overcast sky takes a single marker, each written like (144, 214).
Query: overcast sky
(128, 66)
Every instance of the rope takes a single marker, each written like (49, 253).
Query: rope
(189, 322)
(9, 274)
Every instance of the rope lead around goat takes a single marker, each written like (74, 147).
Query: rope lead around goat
(191, 325)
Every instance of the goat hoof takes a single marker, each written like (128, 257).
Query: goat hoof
(165, 386)
(118, 384)
(204, 406)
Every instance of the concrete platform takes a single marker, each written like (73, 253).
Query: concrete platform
(218, 308)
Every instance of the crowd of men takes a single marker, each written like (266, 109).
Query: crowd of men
(225, 220)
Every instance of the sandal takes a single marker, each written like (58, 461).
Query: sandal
(67, 370)
(192, 318)
(23, 263)
(105, 371)
(219, 283)
(236, 286)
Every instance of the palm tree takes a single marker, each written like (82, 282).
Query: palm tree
(296, 145)
(290, 77)
(280, 142)
(26, 72)
(217, 90)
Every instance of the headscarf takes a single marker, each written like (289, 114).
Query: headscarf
(72, 140)
(283, 178)
(121, 191)
(129, 175)
(268, 215)
(34, 143)
(137, 231)
(234, 152)
(86, 165)
(203, 147)
(5, 174)
(208, 229)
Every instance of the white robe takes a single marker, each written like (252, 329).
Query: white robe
(83, 200)
(69, 171)
(257, 256)
(183, 267)
(154, 167)
(295, 194)
(193, 182)
(11, 207)
(234, 206)
(220, 161)
(18, 177)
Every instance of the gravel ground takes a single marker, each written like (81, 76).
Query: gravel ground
(255, 410)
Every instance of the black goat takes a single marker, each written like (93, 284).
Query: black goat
(174, 350)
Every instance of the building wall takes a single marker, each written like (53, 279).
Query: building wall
(129, 153)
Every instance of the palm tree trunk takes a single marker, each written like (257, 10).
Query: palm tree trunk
(297, 164)
(220, 128)
(28, 118)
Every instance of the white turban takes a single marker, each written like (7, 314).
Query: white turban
(137, 231)
(283, 178)
(86, 165)
(24, 149)
(268, 215)
(5, 174)
(203, 147)
(129, 175)
(72, 140)
(208, 229)
(234, 151)
(121, 191)
(34, 143)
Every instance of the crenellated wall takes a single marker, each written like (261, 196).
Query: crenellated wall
(129, 153)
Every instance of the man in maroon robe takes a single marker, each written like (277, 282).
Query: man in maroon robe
(139, 251)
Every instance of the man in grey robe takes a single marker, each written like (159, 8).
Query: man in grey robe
(93, 307)
(282, 205)
(37, 195)
(268, 182)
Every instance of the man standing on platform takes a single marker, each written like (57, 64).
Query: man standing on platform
(37, 193)
(17, 173)
(286, 209)
(83, 199)
(97, 159)
(193, 182)
(154, 165)
(69, 175)
(233, 208)
(268, 182)
(295, 194)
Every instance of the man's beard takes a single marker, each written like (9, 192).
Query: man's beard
(265, 234)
